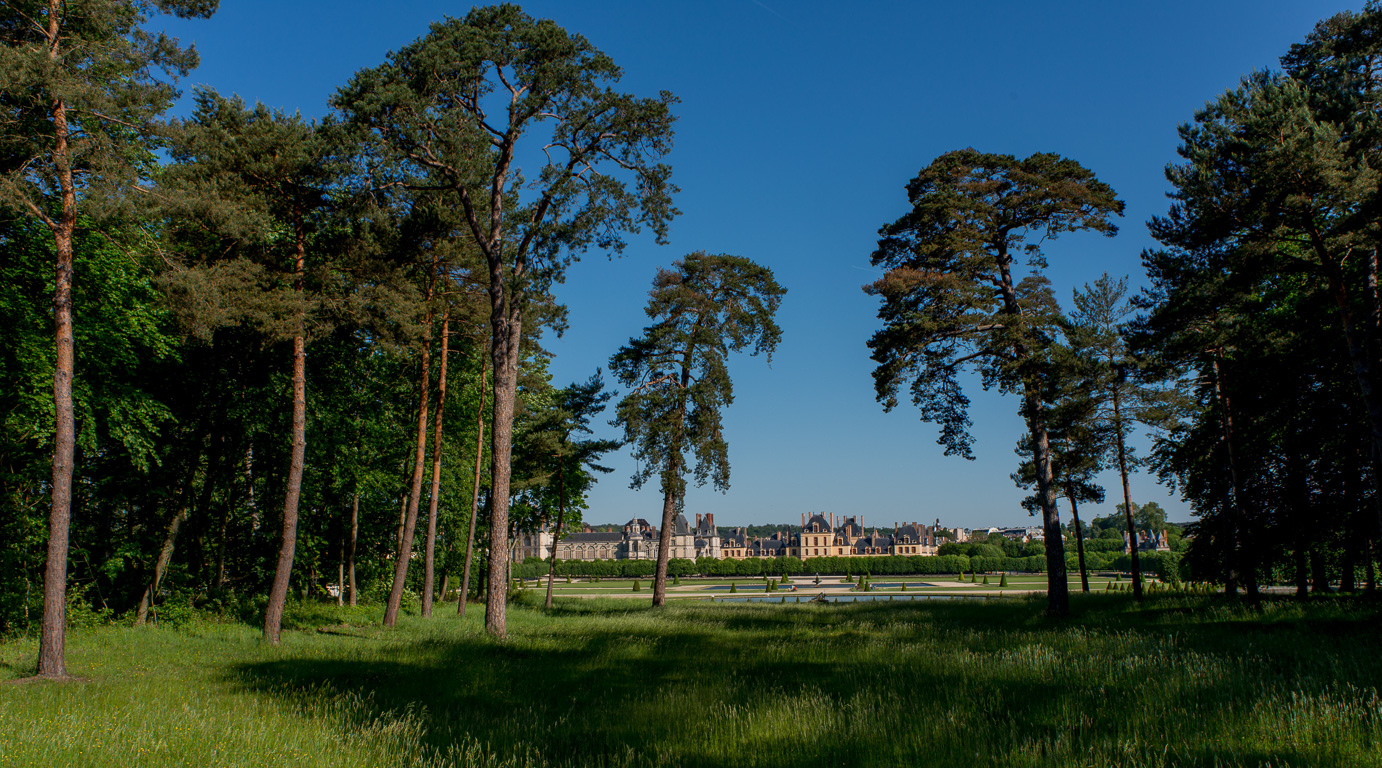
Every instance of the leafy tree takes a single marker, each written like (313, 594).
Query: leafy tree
(704, 308)
(567, 483)
(1078, 447)
(82, 95)
(256, 183)
(1279, 176)
(950, 300)
(460, 108)
(1122, 398)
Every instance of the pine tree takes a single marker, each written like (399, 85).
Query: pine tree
(704, 308)
(950, 299)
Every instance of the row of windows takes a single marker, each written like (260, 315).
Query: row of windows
(819, 552)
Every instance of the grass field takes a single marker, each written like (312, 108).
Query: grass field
(1181, 681)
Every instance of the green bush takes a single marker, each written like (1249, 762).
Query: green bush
(1003, 580)
(733, 587)
(636, 586)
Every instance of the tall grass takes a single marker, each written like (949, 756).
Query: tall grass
(1182, 681)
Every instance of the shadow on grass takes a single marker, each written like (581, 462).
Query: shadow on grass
(605, 682)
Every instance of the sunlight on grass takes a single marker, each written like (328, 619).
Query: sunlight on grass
(1182, 681)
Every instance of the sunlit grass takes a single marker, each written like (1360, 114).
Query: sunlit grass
(1181, 681)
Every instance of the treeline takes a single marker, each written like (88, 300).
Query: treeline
(250, 355)
(1254, 357)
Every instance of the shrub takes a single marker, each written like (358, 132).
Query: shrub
(636, 586)
(986, 578)
(733, 587)
(1003, 580)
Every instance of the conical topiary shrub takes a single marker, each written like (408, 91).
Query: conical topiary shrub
(986, 578)
(636, 586)
(733, 587)
(1003, 580)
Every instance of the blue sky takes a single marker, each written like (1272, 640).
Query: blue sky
(800, 125)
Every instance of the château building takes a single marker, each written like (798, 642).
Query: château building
(821, 536)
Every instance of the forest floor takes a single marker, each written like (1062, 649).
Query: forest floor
(1178, 681)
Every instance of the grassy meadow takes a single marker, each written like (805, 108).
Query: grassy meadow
(1181, 681)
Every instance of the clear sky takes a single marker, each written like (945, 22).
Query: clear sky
(800, 124)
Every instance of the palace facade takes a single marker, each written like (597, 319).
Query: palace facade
(820, 536)
(637, 540)
(823, 536)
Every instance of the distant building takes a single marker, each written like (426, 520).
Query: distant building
(637, 540)
(826, 537)
(1153, 542)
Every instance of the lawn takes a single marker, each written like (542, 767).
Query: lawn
(1180, 681)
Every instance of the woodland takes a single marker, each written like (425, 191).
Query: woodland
(255, 362)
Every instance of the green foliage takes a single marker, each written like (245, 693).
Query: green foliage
(636, 586)
(706, 307)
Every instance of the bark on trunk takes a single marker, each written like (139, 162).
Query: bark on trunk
(165, 556)
(430, 551)
(507, 324)
(350, 550)
(1127, 497)
(556, 532)
(664, 545)
(405, 544)
(1302, 574)
(1079, 537)
(278, 595)
(474, 490)
(1235, 509)
(1057, 588)
(1362, 354)
(52, 652)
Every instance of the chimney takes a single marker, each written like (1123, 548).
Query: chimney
(894, 527)
(698, 519)
(803, 521)
(711, 517)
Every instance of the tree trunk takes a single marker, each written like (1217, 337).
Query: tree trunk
(431, 547)
(1127, 496)
(1079, 537)
(556, 532)
(405, 544)
(52, 652)
(1348, 581)
(165, 556)
(1302, 574)
(1057, 588)
(664, 544)
(278, 595)
(1370, 571)
(474, 490)
(1362, 354)
(1235, 526)
(508, 326)
(350, 550)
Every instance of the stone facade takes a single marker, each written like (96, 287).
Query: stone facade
(820, 536)
(826, 537)
(638, 540)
